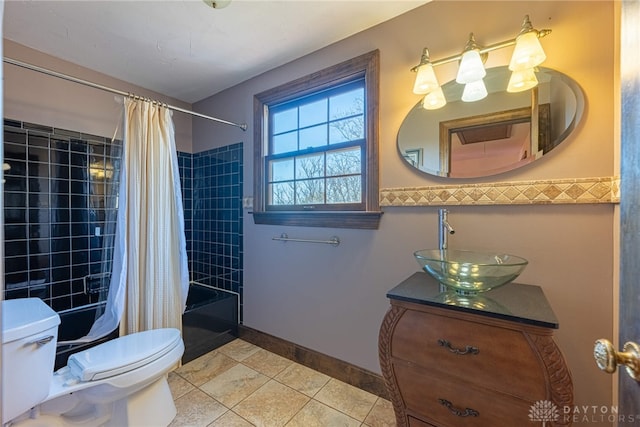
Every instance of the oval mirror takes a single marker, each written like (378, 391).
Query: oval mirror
(493, 135)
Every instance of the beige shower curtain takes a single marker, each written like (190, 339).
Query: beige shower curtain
(154, 268)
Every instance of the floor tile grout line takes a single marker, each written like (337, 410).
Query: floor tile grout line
(237, 414)
(340, 410)
(310, 398)
(278, 373)
(314, 394)
(293, 362)
(286, 385)
(252, 351)
(370, 410)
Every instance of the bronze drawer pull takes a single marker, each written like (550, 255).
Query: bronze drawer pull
(467, 350)
(468, 412)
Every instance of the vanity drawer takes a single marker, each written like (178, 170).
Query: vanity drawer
(414, 422)
(448, 402)
(470, 351)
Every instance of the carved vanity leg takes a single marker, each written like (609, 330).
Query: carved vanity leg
(559, 376)
(384, 352)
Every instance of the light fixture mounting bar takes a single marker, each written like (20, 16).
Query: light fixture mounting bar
(482, 50)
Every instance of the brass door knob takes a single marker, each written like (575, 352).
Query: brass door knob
(608, 359)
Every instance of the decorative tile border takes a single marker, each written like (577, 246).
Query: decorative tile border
(553, 191)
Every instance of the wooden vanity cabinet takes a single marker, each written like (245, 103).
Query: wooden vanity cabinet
(487, 360)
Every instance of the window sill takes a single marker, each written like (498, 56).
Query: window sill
(355, 220)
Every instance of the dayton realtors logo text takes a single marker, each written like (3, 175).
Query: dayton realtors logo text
(546, 411)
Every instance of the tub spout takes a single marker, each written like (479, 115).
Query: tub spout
(444, 229)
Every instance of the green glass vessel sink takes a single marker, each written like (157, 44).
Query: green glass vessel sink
(470, 272)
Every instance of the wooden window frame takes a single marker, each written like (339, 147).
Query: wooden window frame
(367, 66)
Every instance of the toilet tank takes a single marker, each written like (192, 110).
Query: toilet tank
(29, 337)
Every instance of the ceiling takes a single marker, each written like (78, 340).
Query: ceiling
(184, 48)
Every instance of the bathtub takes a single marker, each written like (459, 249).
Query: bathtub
(74, 324)
(209, 321)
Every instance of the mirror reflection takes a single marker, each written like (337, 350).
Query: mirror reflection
(496, 134)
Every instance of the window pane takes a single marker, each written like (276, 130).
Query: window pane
(285, 120)
(281, 193)
(335, 166)
(346, 104)
(346, 130)
(281, 170)
(313, 113)
(344, 162)
(313, 137)
(344, 190)
(310, 191)
(310, 166)
(285, 142)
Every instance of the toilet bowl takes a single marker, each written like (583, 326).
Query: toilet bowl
(122, 382)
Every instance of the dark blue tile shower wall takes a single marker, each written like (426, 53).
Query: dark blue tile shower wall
(55, 212)
(212, 192)
(185, 161)
(54, 201)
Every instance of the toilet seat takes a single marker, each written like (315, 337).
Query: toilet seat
(122, 354)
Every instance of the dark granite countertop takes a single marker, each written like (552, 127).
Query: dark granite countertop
(513, 301)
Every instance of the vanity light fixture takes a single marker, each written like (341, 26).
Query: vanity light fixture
(426, 80)
(474, 91)
(471, 72)
(434, 99)
(522, 80)
(217, 4)
(527, 54)
(471, 67)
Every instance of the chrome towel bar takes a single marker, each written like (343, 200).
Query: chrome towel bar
(333, 240)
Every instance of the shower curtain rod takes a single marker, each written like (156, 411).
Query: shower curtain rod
(17, 63)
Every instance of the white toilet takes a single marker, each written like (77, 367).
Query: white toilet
(119, 383)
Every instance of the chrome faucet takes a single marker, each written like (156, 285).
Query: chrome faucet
(444, 229)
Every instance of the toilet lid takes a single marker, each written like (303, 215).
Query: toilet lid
(122, 354)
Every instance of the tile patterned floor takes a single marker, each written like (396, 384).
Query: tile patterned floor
(242, 385)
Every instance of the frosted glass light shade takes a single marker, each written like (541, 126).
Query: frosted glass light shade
(528, 52)
(217, 4)
(522, 80)
(434, 100)
(474, 91)
(471, 68)
(426, 80)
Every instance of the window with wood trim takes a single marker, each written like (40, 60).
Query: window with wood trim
(316, 148)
